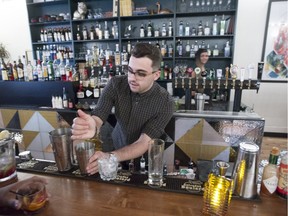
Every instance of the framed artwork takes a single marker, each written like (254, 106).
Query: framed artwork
(275, 47)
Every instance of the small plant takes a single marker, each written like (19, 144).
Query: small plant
(4, 54)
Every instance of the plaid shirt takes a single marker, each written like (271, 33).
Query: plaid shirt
(147, 113)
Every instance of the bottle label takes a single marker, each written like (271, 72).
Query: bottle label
(283, 179)
(271, 184)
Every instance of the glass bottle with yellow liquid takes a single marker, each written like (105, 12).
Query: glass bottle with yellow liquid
(270, 174)
(97, 141)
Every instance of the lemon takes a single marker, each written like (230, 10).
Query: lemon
(4, 134)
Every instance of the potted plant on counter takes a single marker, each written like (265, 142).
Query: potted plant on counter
(4, 54)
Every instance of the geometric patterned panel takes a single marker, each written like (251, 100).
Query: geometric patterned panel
(50, 116)
(10, 118)
(26, 116)
(28, 138)
(44, 124)
(1, 120)
(200, 141)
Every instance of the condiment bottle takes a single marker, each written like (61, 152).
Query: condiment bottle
(283, 177)
(270, 174)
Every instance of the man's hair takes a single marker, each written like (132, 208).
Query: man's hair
(150, 51)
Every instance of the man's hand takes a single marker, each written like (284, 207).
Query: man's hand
(92, 166)
(84, 126)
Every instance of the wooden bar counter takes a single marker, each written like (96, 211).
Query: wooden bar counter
(70, 196)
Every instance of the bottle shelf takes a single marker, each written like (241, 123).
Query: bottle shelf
(102, 40)
(65, 22)
(205, 36)
(48, 43)
(146, 38)
(210, 57)
(95, 19)
(145, 17)
(31, 3)
(206, 13)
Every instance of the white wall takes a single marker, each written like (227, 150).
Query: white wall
(270, 102)
(14, 33)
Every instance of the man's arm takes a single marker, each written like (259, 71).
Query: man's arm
(134, 150)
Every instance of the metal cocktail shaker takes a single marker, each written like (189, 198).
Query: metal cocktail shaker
(246, 170)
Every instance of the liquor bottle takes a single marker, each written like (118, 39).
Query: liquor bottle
(80, 93)
(207, 29)
(129, 47)
(142, 31)
(92, 79)
(106, 31)
(15, 72)
(163, 49)
(100, 32)
(84, 33)
(115, 32)
(29, 69)
(191, 6)
(157, 31)
(142, 164)
(227, 50)
(170, 29)
(200, 29)
(270, 174)
(65, 99)
(181, 29)
(45, 69)
(42, 35)
(10, 72)
(35, 72)
(187, 29)
(92, 35)
(56, 69)
(183, 6)
(283, 177)
(170, 50)
(131, 165)
(62, 71)
(164, 30)
(187, 48)
(20, 70)
(208, 50)
(179, 48)
(162, 74)
(51, 72)
(215, 50)
(149, 29)
(78, 33)
(196, 46)
(39, 71)
(117, 55)
(4, 71)
(124, 56)
(222, 25)
(68, 70)
(215, 26)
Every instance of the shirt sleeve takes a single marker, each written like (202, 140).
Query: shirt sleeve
(106, 101)
(155, 127)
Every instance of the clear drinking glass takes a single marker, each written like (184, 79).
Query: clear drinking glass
(108, 167)
(155, 162)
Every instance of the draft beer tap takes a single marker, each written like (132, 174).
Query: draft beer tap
(204, 75)
(250, 72)
(242, 76)
(233, 72)
(226, 77)
(219, 76)
(197, 72)
(176, 72)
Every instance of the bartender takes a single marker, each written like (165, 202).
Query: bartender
(142, 108)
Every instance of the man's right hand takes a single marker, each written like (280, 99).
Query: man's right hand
(84, 126)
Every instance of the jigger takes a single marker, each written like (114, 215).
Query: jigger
(223, 167)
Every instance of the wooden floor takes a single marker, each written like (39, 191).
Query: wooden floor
(269, 142)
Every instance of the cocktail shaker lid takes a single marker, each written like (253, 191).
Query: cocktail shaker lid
(249, 147)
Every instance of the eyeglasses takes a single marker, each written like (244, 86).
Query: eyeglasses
(141, 74)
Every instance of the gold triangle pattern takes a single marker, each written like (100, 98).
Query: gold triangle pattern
(24, 116)
(191, 141)
(28, 137)
(51, 117)
(7, 115)
(208, 152)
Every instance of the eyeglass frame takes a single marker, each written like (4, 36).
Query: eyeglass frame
(138, 74)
